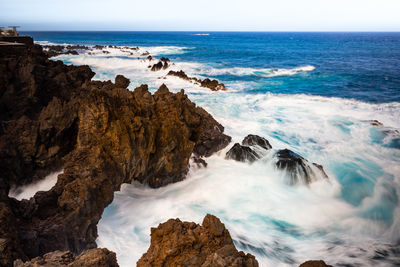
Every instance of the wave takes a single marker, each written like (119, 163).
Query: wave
(201, 34)
(262, 72)
(28, 191)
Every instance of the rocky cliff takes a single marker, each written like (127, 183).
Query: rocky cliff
(100, 133)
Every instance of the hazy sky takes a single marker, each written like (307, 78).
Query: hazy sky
(203, 15)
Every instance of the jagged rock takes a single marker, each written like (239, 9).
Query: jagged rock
(164, 59)
(162, 64)
(214, 85)
(298, 168)
(145, 54)
(150, 58)
(176, 243)
(92, 257)
(248, 150)
(242, 153)
(158, 66)
(80, 47)
(375, 123)
(319, 263)
(253, 140)
(99, 47)
(102, 135)
(106, 52)
(121, 81)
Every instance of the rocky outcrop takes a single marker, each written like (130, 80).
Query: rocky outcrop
(298, 168)
(92, 257)
(176, 243)
(214, 85)
(100, 133)
(161, 64)
(319, 263)
(253, 147)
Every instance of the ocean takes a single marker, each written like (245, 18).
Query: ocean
(313, 93)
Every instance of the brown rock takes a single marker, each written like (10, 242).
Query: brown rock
(93, 257)
(176, 243)
(319, 263)
(214, 85)
(121, 81)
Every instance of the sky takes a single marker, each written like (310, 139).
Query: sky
(202, 15)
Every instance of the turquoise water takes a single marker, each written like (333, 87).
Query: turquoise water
(314, 93)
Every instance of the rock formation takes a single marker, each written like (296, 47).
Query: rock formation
(319, 263)
(176, 243)
(298, 168)
(100, 133)
(214, 85)
(93, 257)
(162, 64)
(253, 147)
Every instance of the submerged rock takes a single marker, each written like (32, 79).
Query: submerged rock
(253, 140)
(92, 257)
(298, 168)
(158, 66)
(253, 147)
(99, 133)
(176, 243)
(242, 153)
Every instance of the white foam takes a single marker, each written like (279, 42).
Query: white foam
(28, 191)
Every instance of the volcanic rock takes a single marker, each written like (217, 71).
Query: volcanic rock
(176, 243)
(298, 168)
(255, 140)
(121, 81)
(101, 134)
(92, 257)
(214, 85)
(253, 147)
(242, 153)
(319, 263)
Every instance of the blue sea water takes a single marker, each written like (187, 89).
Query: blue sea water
(364, 66)
(314, 93)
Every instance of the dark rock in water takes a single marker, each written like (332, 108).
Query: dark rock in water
(121, 81)
(106, 52)
(80, 47)
(176, 243)
(145, 54)
(101, 134)
(247, 152)
(181, 74)
(149, 58)
(158, 66)
(71, 52)
(376, 123)
(214, 85)
(252, 140)
(319, 263)
(99, 47)
(242, 153)
(164, 59)
(298, 168)
(92, 257)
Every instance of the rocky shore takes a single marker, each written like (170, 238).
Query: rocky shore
(54, 117)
